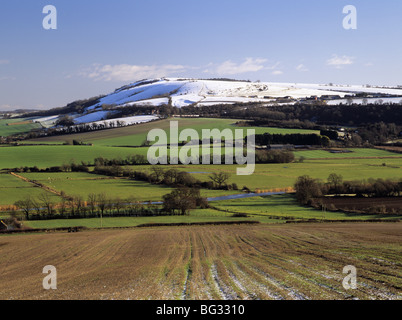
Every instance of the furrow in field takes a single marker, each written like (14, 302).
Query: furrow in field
(265, 290)
(303, 278)
(225, 262)
(189, 269)
(373, 276)
(279, 283)
(249, 287)
(226, 292)
(199, 288)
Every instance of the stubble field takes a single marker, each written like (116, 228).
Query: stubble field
(228, 262)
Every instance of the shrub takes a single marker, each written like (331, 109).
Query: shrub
(240, 215)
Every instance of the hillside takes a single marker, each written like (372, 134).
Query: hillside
(195, 92)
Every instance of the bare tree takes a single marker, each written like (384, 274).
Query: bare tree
(79, 204)
(118, 205)
(219, 178)
(92, 201)
(25, 205)
(47, 202)
(102, 202)
(62, 206)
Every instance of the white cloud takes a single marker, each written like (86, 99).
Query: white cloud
(340, 62)
(231, 68)
(277, 72)
(126, 72)
(3, 78)
(3, 61)
(302, 68)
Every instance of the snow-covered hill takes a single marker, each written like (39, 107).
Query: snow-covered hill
(186, 92)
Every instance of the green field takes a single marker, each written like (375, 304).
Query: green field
(136, 135)
(83, 184)
(355, 153)
(286, 206)
(196, 216)
(7, 128)
(47, 156)
(359, 164)
(13, 189)
(268, 176)
(268, 209)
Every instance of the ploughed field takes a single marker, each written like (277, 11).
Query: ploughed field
(353, 203)
(297, 261)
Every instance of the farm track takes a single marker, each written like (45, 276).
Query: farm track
(295, 262)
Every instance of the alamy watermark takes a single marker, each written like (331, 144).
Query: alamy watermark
(184, 147)
(350, 20)
(50, 281)
(49, 22)
(350, 281)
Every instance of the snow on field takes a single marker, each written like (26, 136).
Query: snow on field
(134, 93)
(92, 117)
(128, 120)
(343, 88)
(150, 102)
(298, 93)
(47, 122)
(185, 100)
(44, 119)
(230, 100)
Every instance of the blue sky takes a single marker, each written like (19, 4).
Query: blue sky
(101, 45)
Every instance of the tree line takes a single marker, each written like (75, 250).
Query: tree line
(107, 166)
(95, 205)
(179, 202)
(311, 114)
(372, 123)
(267, 139)
(308, 188)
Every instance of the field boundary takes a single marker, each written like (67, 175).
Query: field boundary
(37, 184)
(61, 229)
(146, 225)
(356, 158)
(188, 224)
(289, 219)
(183, 224)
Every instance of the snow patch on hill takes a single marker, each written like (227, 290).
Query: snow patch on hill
(92, 117)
